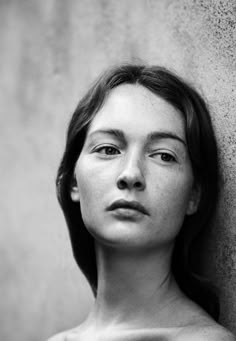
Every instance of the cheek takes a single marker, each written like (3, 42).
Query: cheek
(181, 190)
(94, 179)
(172, 199)
(88, 198)
(90, 183)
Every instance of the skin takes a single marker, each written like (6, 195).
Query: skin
(163, 187)
(145, 160)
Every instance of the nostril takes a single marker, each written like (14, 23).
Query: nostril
(138, 185)
(122, 184)
(128, 183)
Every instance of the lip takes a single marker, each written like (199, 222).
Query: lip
(129, 205)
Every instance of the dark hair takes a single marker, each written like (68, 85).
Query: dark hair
(203, 155)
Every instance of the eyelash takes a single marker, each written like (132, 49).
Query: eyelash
(170, 157)
(105, 148)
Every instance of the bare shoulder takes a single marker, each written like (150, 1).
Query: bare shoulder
(63, 336)
(206, 333)
(210, 333)
(58, 337)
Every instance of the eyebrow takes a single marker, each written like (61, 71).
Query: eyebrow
(112, 132)
(153, 136)
(165, 135)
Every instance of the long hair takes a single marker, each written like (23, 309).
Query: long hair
(202, 150)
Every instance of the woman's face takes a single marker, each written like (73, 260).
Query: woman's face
(134, 176)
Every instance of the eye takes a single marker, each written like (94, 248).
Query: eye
(107, 150)
(164, 156)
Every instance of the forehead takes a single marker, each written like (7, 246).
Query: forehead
(135, 109)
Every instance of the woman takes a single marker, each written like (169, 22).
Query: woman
(138, 186)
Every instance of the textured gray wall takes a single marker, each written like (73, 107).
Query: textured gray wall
(50, 51)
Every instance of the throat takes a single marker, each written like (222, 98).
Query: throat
(133, 290)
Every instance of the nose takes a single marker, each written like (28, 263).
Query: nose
(131, 176)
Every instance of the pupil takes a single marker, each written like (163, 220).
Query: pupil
(110, 150)
(166, 157)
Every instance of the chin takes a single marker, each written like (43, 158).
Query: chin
(117, 235)
(125, 239)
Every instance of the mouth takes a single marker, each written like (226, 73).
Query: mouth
(128, 205)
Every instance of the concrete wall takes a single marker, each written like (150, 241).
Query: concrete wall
(50, 51)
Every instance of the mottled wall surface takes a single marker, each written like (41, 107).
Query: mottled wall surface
(50, 51)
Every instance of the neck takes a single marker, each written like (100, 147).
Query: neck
(134, 287)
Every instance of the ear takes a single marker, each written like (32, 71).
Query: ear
(74, 190)
(194, 200)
